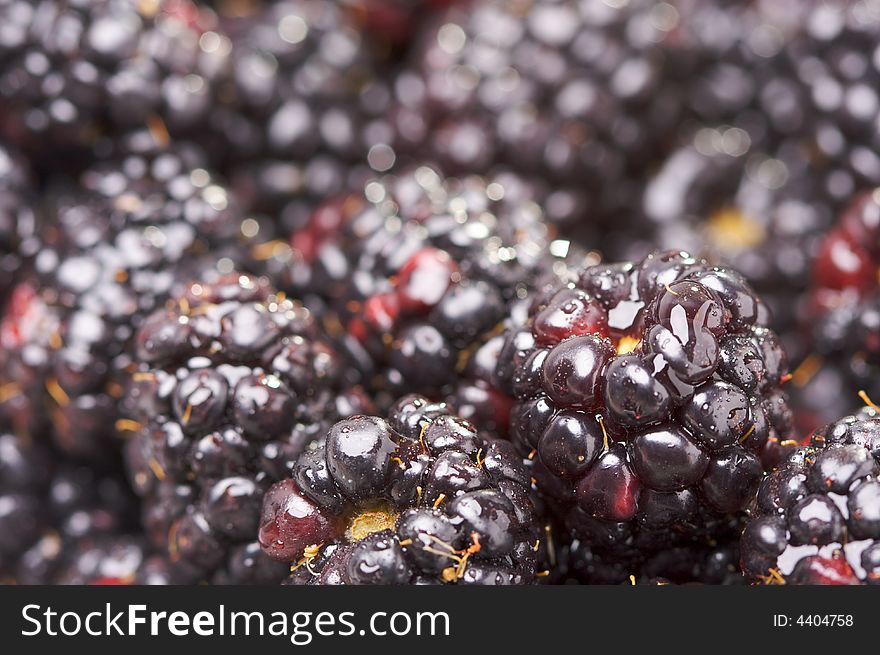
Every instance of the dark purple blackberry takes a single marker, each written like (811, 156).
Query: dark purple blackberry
(816, 519)
(423, 276)
(646, 394)
(763, 168)
(113, 248)
(756, 209)
(75, 71)
(111, 561)
(17, 217)
(232, 381)
(421, 498)
(299, 113)
(575, 93)
(782, 121)
(91, 533)
(836, 60)
(743, 185)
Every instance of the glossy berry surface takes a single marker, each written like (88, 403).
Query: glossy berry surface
(776, 145)
(647, 427)
(439, 291)
(418, 498)
(422, 272)
(816, 519)
(233, 381)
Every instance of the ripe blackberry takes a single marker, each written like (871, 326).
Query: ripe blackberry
(743, 185)
(75, 71)
(422, 276)
(785, 117)
(754, 208)
(300, 106)
(575, 93)
(816, 519)
(421, 498)
(836, 61)
(114, 560)
(17, 217)
(842, 314)
(232, 381)
(646, 394)
(113, 248)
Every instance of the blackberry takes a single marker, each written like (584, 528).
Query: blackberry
(843, 307)
(816, 519)
(299, 112)
(98, 542)
(113, 248)
(836, 61)
(782, 115)
(232, 381)
(575, 93)
(646, 395)
(422, 276)
(76, 71)
(755, 208)
(420, 498)
(741, 185)
(17, 217)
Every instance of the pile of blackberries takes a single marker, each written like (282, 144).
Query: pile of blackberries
(439, 292)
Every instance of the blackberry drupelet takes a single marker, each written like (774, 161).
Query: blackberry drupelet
(75, 71)
(578, 94)
(420, 498)
(424, 274)
(647, 394)
(112, 249)
(232, 381)
(17, 217)
(816, 519)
